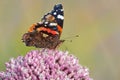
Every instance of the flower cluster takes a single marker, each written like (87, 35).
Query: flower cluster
(45, 64)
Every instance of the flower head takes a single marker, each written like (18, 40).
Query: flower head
(45, 64)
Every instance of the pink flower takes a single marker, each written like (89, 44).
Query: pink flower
(45, 64)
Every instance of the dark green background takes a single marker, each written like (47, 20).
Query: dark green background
(96, 21)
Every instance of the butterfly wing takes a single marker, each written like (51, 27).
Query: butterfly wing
(46, 33)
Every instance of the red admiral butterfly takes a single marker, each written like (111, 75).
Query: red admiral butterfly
(47, 32)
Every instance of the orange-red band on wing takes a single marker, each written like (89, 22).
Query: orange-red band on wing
(59, 29)
(31, 29)
(47, 30)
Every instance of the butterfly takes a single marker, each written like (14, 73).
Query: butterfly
(47, 32)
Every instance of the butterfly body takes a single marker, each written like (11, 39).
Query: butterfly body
(47, 32)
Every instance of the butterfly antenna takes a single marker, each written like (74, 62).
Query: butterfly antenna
(72, 37)
(69, 38)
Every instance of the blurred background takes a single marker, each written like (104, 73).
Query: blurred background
(96, 21)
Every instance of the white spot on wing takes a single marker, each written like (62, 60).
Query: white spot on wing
(54, 13)
(62, 9)
(53, 24)
(60, 17)
(45, 25)
(46, 22)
